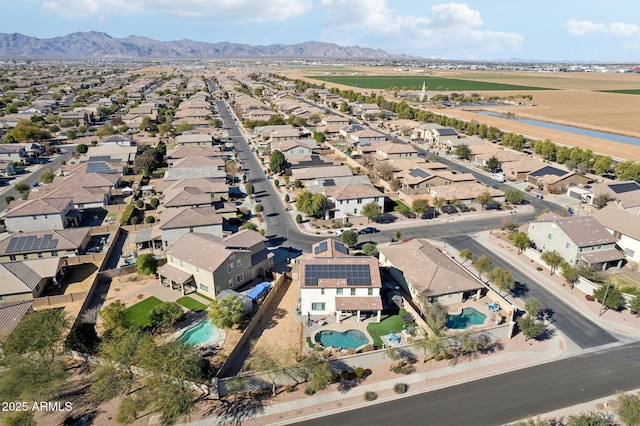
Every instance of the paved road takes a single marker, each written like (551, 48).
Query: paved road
(507, 397)
(568, 320)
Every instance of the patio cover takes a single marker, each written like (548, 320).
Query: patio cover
(610, 255)
(147, 234)
(174, 274)
(365, 303)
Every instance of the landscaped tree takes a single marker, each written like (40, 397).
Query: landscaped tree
(259, 208)
(278, 162)
(38, 332)
(154, 203)
(436, 315)
(484, 199)
(602, 164)
(530, 327)
(533, 306)
(468, 342)
(370, 249)
(502, 279)
(420, 207)
(318, 370)
(147, 162)
(465, 254)
(634, 306)
(372, 211)
(432, 346)
(46, 175)
(384, 170)
(569, 273)
(146, 264)
(483, 265)
(492, 164)
(227, 312)
(311, 204)
(82, 148)
(271, 362)
(552, 258)
(628, 409)
(462, 151)
(521, 240)
(614, 298)
(113, 316)
(513, 196)
(592, 418)
(248, 188)
(165, 313)
(349, 237)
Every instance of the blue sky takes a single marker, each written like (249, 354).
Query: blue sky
(571, 30)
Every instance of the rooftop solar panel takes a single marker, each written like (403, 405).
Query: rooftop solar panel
(621, 188)
(548, 170)
(418, 173)
(342, 249)
(320, 248)
(31, 243)
(355, 275)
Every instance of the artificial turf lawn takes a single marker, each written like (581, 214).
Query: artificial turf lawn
(393, 322)
(138, 314)
(191, 304)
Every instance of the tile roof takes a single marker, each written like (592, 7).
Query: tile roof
(329, 248)
(65, 239)
(334, 272)
(10, 315)
(352, 191)
(202, 250)
(362, 303)
(427, 269)
(244, 239)
(619, 220)
(584, 231)
(174, 274)
(188, 217)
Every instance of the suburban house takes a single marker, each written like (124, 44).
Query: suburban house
(556, 180)
(396, 150)
(625, 228)
(194, 151)
(38, 245)
(13, 153)
(177, 222)
(6, 168)
(334, 283)
(122, 140)
(625, 195)
(194, 139)
(27, 279)
(347, 200)
(295, 148)
(210, 264)
(171, 190)
(88, 190)
(427, 274)
(580, 240)
(41, 215)
(419, 179)
(312, 173)
(309, 161)
(10, 315)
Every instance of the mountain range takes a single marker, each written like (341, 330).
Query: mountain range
(95, 44)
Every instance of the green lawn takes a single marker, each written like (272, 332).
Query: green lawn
(624, 91)
(191, 304)
(415, 83)
(138, 314)
(205, 297)
(391, 320)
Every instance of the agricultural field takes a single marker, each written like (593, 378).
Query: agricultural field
(624, 92)
(415, 83)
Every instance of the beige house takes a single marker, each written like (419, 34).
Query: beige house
(210, 264)
(427, 274)
(40, 245)
(27, 279)
(177, 222)
(41, 215)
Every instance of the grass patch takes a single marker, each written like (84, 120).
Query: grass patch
(191, 304)
(112, 214)
(391, 320)
(138, 314)
(623, 91)
(205, 297)
(415, 83)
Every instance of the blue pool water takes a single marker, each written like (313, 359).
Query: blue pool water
(466, 319)
(202, 333)
(350, 339)
(575, 130)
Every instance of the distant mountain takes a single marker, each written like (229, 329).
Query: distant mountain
(101, 45)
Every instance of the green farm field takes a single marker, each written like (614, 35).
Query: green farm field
(415, 83)
(624, 92)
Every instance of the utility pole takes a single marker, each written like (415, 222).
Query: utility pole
(604, 299)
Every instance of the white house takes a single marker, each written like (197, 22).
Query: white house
(625, 228)
(334, 283)
(349, 199)
(40, 215)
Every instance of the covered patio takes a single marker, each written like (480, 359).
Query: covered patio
(148, 238)
(605, 259)
(357, 305)
(170, 276)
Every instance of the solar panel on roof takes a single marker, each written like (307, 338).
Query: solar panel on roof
(355, 275)
(98, 167)
(100, 158)
(31, 243)
(446, 132)
(548, 170)
(329, 182)
(418, 173)
(320, 248)
(342, 249)
(621, 188)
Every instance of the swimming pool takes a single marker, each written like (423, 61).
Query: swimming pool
(350, 339)
(466, 319)
(203, 333)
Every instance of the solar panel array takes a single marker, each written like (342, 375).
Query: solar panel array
(446, 132)
(31, 243)
(548, 170)
(356, 275)
(621, 188)
(99, 167)
(342, 249)
(320, 248)
(418, 173)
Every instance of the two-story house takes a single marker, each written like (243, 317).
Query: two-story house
(41, 215)
(211, 264)
(334, 283)
(347, 200)
(580, 240)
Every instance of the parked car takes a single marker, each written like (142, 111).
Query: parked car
(368, 230)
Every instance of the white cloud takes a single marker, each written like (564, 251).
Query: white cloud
(450, 30)
(227, 11)
(579, 28)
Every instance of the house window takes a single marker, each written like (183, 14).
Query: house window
(581, 249)
(571, 262)
(318, 306)
(230, 267)
(629, 252)
(34, 217)
(55, 253)
(1, 298)
(549, 236)
(599, 247)
(355, 211)
(197, 269)
(568, 245)
(353, 291)
(37, 288)
(369, 292)
(191, 229)
(204, 287)
(170, 259)
(359, 200)
(239, 262)
(231, 283)
(12, 257)
(25, 256)
(46, 217)
(544, 246)
(181, 263)
(322, 291)
(339, 291)
(240, 278)
(39, 255)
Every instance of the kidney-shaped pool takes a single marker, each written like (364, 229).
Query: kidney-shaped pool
(350, 339)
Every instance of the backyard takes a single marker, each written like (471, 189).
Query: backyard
(138, 314)
(391, 321)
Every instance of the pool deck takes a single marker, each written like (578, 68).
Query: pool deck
(191, 321)
(479, 305)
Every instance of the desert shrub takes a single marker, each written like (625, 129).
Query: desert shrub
(149, 219)
(309, 390)
(400, 388)
(403, 369)
(359, 372)
(287, 198)
(370, 396)
(347, 375)
(139, 204)
(299, 218)
(154, 203)
(351, 351)
(367, 348)
(289, 388)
